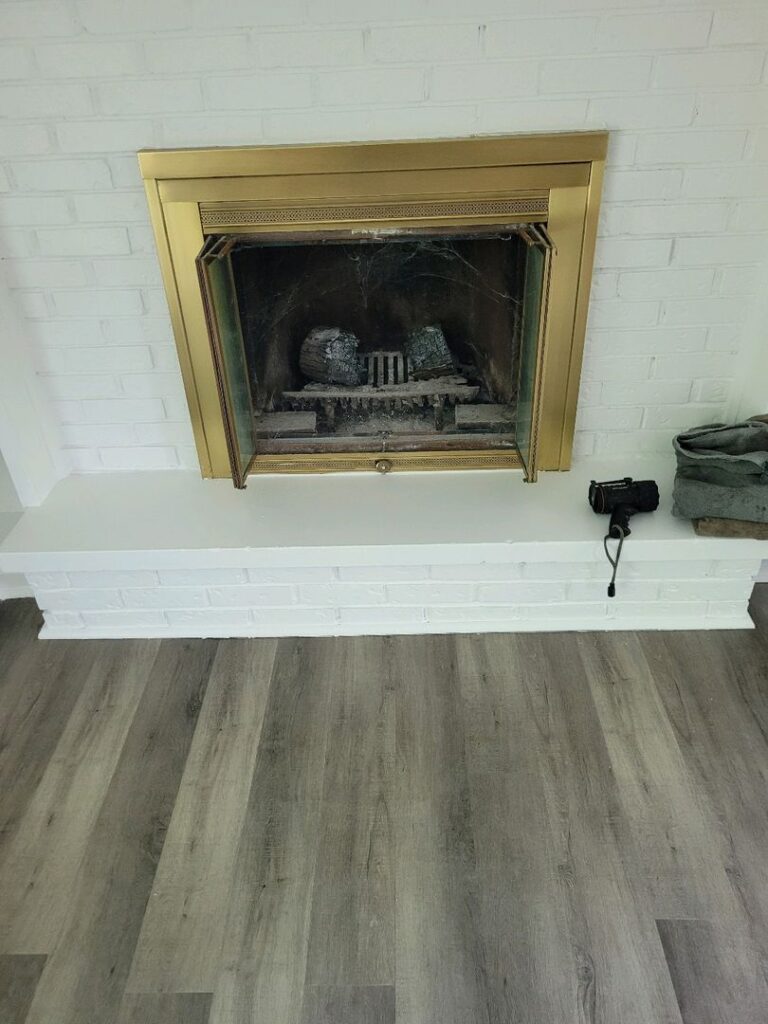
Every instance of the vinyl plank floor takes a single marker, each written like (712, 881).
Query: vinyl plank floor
(569, 828)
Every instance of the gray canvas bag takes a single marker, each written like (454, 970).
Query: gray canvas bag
(722, 472)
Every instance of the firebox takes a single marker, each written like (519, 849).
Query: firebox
(379, 306)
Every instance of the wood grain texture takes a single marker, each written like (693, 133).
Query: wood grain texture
(181, 938)
(181, 1008)
(85, 975)
(19, 976)
(567, 828)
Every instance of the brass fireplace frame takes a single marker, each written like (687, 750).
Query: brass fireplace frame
(375, 188)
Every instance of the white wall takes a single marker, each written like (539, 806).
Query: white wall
(685, 224)
(11, 585)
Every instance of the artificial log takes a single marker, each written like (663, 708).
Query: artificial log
(428, 354)
(329, 356)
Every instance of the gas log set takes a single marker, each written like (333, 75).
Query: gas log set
(416, 389)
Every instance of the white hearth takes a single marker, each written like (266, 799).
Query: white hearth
(147, 554)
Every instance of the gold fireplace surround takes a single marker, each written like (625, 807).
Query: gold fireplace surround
(551, 181)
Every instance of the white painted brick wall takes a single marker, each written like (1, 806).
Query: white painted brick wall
(685, 224)
(378, 599)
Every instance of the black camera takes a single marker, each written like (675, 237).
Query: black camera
(621, 499)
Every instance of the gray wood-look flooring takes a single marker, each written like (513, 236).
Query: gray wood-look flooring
(507, 829)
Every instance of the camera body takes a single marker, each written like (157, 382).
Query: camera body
(621, 499)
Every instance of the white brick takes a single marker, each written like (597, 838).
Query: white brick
(165, 597)
(632, 252)
(704, 311)
(377, 85)
(193, 54)
(83, 241)
(744, 281)
(758, 145)
(221, 130)
(691, 147)
(680, 417)
(124, 619)
(88, 60)
(104, 135)
(720, 250)
(636, 442)
(429, 593)
(597, 590)
(726, 337)
(246, 14)
(477, 573)
(656, 31)
(47, 580)
(618, 368)
(737, 107)
(45, 274)
(539, 36)
(666, 283)
(89, 385)
(123, 411)
(69, 332)
(623, 314)
(290, 619)
(473, 613)
(165, 358)
(135, 271)
(372, 123)
(650, 392)
(641, 112)
(164, 433)
(338, 11)
(94, 436)
(95, 360)
(19, 210)
(595, 74)
(292, 574)
(532, 115)
(682, 569)
(747, 27)
(131, 332)
(114, 578)
(721, 182)
(668, 218)
(259, 91)
(79, 599)
(35, 20)
(139, 458)
(117, 207)
(15, 62)
(713, 589)
(751, 215)
(252, 595)
(622, 186)
(68, 412)
(559, 614)
(61, 175)
(737, 568)
(51, 100)
(310, 49)
(711, 391)
(492, 81)
(656, 611)
(383, 573)
(125, 171)
(23, 140)
(688, 339)
(64, 620)
(701, 364)
(609, 418)
(330, 594)
(111, 302)
(380, 616)
(725, 609)
(145, 16)
(201, 577)
(168, 95)
(202, 619)
(152, 385)
(562, 570)
(520, 592)
(424, 42)
(693, 70)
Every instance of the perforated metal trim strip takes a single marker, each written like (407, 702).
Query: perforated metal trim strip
(366, 462)
(225, 215)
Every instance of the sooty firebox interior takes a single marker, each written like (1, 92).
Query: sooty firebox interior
(406, 342)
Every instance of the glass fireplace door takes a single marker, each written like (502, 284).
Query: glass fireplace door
(532, 338)
(214, 269)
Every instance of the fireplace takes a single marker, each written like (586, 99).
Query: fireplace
(383, 306)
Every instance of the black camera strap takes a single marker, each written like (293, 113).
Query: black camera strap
(614, 561)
